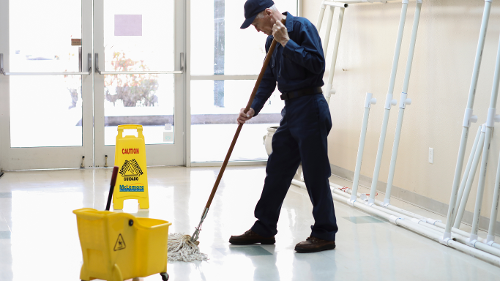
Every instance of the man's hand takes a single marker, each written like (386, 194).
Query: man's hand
(280, 33)
(243, 117)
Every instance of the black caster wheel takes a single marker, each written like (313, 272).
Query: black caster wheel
(164, 276)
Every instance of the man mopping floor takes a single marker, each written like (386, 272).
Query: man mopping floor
(297, 67)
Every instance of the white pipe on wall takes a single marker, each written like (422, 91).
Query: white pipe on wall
(402, 103)
(363, 1)
(368, 102)
(484, 161)
(389, 209)
(468, 118)
(434, 225)
(324, 4)
(490, 123)
(331, 7)
(470, 178)
(334, 55)
(437, 223)
(335, 4)
(320, 16)
(389, 102)
(429, 222)
(480, 187)
(413, 226)
(494, 207)
(468, 167)
(479, 245)
(382, 209)
(424, 226)
(328, 29)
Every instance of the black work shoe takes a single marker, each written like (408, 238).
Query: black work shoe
(313, 244)
(250, 237)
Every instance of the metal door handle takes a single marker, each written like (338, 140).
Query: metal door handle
(89, 62)
(2, 71)
(183, 62)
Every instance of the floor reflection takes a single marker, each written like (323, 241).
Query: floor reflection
(39, 236)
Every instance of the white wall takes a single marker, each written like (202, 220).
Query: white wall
(439, 86)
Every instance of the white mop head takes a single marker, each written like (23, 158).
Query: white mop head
(181, 248)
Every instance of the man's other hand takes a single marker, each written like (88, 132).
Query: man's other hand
(243, 117)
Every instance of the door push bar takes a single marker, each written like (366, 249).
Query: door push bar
(89, 63)
(136, 72)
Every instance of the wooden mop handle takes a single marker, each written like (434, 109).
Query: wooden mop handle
(261, 75)
(250, 101)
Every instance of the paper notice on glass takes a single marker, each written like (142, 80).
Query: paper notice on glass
(128, 25)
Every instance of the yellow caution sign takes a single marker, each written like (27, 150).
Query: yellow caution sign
(132, 179)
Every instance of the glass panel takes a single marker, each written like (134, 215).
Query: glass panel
(139, 36)
(213, 127)
(141, 32)
(145, 99)
(219, 46)
(43, 38)
(45, 111)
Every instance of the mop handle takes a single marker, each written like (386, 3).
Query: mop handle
(250, 101)
(112, 187)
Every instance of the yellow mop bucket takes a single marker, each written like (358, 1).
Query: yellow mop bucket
(130, 157)
(119, 246)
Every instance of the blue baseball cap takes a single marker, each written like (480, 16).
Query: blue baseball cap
(253, 8)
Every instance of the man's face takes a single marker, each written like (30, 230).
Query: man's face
(263, 24)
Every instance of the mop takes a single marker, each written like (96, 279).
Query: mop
(184, 247)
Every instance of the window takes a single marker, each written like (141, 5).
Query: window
(225, 62)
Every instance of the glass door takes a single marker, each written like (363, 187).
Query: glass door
(139, 65)
(45, 84)
(76, 70)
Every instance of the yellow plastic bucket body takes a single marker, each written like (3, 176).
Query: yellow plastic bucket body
(119, 246)
(132, 179)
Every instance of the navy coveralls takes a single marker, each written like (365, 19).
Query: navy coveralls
(302, 134)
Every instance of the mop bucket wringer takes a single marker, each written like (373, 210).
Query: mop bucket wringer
(119, 246)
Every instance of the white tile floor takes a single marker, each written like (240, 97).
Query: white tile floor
(39, 238)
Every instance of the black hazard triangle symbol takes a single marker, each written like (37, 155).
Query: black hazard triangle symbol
(131, 169)
(120, 243)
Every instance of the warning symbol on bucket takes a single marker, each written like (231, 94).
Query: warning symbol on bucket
(120, 243)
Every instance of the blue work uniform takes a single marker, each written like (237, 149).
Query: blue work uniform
(302, 134)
